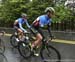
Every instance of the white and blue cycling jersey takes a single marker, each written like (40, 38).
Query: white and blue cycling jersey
(22, 21)
(43, 20)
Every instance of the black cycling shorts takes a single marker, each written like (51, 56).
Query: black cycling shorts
(36, 30)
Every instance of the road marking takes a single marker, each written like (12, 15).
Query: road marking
(7, 34)
(55, 40)
(63, 41)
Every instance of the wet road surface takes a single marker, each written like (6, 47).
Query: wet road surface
(11, 54)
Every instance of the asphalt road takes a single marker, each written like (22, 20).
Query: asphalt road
(66, 50)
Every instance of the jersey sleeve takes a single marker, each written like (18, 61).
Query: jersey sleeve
(20, 25)
(41, 24)
(49, 21)
(27, 24)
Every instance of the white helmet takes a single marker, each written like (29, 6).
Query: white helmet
(50, 9)
(23, 15)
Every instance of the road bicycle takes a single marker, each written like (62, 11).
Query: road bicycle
(47, 52)
(2, 45)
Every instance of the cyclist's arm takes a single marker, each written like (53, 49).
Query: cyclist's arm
(20, 25)
(49, 27)
(27, 24)
(49, 30)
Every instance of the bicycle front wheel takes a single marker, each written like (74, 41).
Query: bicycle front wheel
(50, 54)
(13, 41)
(24, 49)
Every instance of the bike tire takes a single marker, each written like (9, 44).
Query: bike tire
(2, 46)
(13, 41)
(50, 51)
(24, 49)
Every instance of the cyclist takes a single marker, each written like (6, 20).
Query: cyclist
(40, 22)
(18, 25)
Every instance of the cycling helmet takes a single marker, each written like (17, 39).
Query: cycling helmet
(23, 15)
(50, 9)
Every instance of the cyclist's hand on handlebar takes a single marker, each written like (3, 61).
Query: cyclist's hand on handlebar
(25, 31)
(52, 37)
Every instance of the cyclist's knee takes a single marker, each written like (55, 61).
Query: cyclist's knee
(20, 31)
(39, 36)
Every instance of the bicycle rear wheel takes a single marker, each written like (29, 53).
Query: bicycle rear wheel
(2, 46)
(13, 41)
(50, 54)
(24, 49)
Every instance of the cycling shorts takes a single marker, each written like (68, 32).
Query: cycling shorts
(36, 30)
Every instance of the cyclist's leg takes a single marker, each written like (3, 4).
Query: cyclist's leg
(38, 37)
(19, 31)
(37, 41)
(41, 33)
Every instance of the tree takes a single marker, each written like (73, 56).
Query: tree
(12, 9)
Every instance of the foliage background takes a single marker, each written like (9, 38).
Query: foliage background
(10, 10)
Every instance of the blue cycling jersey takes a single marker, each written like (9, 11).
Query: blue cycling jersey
(22, 21)
(44, 20)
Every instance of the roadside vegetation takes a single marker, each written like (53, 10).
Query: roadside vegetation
(12, 9)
